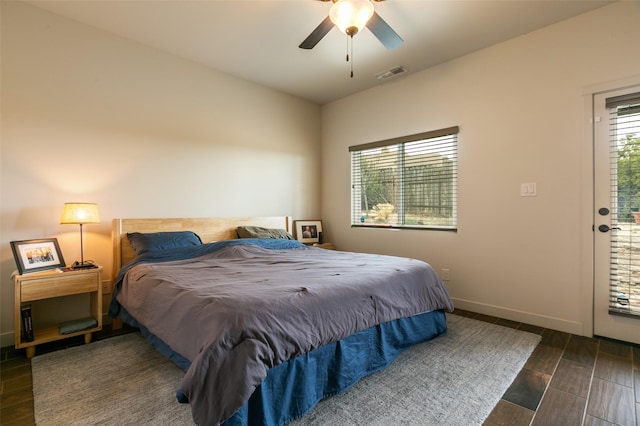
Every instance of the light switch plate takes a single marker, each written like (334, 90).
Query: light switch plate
(528, 189)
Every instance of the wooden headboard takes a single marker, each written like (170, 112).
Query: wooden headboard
(209, 230)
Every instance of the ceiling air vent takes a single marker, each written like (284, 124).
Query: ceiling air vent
(390, 73)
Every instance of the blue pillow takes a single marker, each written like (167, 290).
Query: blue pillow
(142, 243)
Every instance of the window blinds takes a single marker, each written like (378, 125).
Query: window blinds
(624, 142)
(406, 182)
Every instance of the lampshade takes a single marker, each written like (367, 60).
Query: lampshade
(351, 15)
(80, 213)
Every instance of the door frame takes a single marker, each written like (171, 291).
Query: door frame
(588, 208)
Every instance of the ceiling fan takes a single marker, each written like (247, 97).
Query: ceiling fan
(351, 16)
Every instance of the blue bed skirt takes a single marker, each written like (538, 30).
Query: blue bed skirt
(293, 388)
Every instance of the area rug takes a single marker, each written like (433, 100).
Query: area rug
(455, 379)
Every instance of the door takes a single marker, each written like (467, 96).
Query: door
(616, 125)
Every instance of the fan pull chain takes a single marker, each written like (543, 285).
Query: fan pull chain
(351, 56)
(350, 50)
(347, 48)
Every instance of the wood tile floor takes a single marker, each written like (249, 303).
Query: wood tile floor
(568, 380)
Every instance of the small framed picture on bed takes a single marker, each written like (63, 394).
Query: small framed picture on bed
(308, 231)
(37, 255)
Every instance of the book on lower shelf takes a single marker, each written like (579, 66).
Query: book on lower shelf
(78, 325)
(27, 323)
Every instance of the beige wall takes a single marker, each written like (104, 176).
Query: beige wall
(87, 116)
(520, 106)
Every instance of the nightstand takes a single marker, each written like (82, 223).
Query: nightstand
(326, 246)
(47, 285)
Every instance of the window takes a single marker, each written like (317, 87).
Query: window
(624, 137)
(406, 182)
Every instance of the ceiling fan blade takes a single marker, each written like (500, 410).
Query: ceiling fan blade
(317, 34)
(389, 38)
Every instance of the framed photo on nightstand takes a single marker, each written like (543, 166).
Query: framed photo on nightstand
(37, 255)
(308, 231)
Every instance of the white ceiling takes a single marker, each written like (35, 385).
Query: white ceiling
(258, 39)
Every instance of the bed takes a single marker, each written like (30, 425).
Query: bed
(266, 327)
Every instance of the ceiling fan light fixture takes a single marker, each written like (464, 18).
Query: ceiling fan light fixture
(350, 16)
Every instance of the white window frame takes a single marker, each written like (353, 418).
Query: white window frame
(400, 156)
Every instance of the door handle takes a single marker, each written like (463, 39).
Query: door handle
(605, 228)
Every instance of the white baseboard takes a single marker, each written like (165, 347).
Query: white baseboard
(7, 339)
(552, 323)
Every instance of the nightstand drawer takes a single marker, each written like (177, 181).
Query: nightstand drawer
(62, 285)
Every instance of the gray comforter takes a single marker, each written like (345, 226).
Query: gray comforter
(241, 310)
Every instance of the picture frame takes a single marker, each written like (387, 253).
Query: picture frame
(37, 255)
(308, 231)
